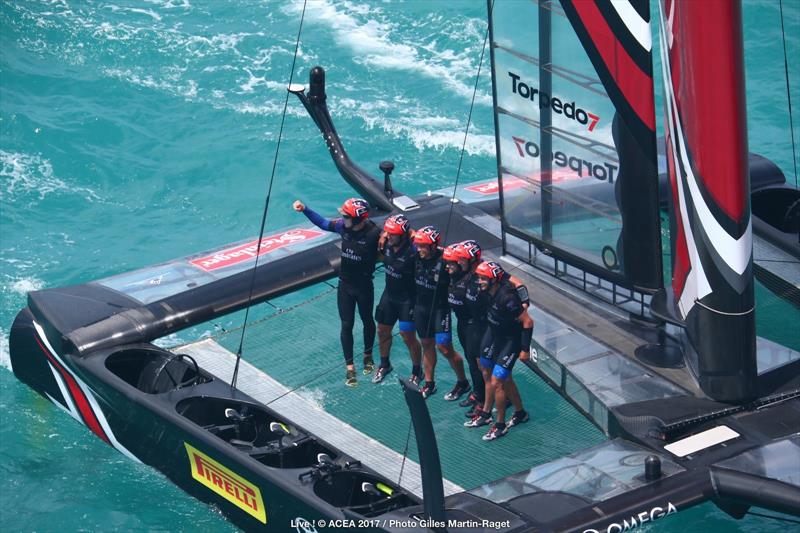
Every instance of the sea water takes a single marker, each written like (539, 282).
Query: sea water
(137, 132)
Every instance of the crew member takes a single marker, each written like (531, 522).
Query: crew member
(469, 305)
(507, 338)
(397, 301)
(431, 311)
(359, 253)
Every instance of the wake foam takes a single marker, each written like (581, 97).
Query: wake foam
(25, 175)
(5, 355)
(424, 131)
(371, 42)
(25, 285)
(235, 71)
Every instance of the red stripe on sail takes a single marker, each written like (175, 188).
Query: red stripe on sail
(635, 85)
(680, 263)
(77, 394)
(708, 48)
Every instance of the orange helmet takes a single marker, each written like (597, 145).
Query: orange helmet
(427, 235)
(452, 253)
(397, 225)
(355, 208)
(470, 250)
(490, 269)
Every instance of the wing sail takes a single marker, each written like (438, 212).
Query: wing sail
(575, 121)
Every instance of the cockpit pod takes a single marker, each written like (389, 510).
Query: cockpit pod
(254, 430)
(155, 371)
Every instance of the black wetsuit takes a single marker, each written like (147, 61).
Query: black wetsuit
(397, 300)
(358, 256)
(431, 310)
(469, 305)
(501, 342)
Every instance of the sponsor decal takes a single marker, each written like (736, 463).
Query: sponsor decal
(249, 250)
(582, 167)
(492, 187)
(636, 520)
(568, 109)
(226, 483)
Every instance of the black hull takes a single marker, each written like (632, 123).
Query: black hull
(149, 428)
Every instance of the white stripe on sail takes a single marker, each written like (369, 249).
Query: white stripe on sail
(735, 252)
(696, 280)
(671, 21)
(636, 25)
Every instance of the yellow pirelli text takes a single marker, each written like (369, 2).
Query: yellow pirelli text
(226, 483)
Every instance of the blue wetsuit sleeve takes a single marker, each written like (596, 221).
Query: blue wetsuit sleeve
(321, 222)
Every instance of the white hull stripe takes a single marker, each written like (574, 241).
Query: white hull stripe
(70, 405)
(98, 412)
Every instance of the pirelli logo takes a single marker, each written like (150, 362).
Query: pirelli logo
(226, 483)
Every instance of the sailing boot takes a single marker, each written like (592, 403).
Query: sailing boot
(480, 418)
(518, 418)
(429, 389)
(497, 430)
(470, 401)
(461, 388)
(382, 372)
(477, 406)
(369, 365)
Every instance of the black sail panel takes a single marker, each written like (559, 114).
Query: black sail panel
(575, 127)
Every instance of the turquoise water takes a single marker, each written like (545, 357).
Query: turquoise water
(137, 132)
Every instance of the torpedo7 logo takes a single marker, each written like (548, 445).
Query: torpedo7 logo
(602, 170)
(568, 109)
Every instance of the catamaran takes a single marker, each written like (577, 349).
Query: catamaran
(696, 406)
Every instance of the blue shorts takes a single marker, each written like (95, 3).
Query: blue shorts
(430, 324)
(501, 355)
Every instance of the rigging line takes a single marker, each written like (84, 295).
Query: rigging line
(717, 311)
(266, 202)
(463, 149)
(281, 311)
(314, 378)
(788, 97)
(469, 121)
(405, 453)
(307, 382)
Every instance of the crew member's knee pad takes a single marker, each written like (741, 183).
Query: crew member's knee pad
(501, 373)
(444, 338)
(406, 326)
